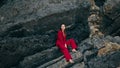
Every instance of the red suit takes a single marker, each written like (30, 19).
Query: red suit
(61, 41)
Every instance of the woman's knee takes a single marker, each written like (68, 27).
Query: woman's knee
(61, 47)
(72, 39)
(65, 51)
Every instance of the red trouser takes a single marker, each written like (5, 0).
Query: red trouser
(65, 51)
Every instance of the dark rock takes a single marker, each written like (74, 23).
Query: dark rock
(2, 2)
(86, 45)
(39, 58)
(90, 48)
(33, 25)
(117, 39)
(89, 55)
(27, 28)
(109, 61)
(25, 46)
(111, 17)
(79, 65)
(100, 2)
(61, 62)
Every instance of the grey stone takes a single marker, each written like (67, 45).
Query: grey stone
(29, 27)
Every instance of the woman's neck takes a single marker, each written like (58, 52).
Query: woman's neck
(62, 30)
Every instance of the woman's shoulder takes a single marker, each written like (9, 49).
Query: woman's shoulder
(59, 31)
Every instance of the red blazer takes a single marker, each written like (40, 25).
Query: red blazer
(61, 39)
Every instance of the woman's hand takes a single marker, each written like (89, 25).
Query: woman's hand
(66, 45)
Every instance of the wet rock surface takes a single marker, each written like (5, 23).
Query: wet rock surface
(28, 32)
(96, 57)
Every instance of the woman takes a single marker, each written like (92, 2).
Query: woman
(62, 44)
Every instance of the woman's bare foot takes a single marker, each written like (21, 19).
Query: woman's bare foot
(74, 50)
(71, 61)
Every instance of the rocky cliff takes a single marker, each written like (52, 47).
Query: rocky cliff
(28, 32)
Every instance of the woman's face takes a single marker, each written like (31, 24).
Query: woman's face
(63, 27)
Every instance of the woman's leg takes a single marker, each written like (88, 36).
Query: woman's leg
(72, 43)
(66, 54)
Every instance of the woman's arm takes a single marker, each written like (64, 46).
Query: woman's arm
(61, 38)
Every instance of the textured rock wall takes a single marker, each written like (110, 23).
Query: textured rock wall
(111, 18)
(28, 28)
